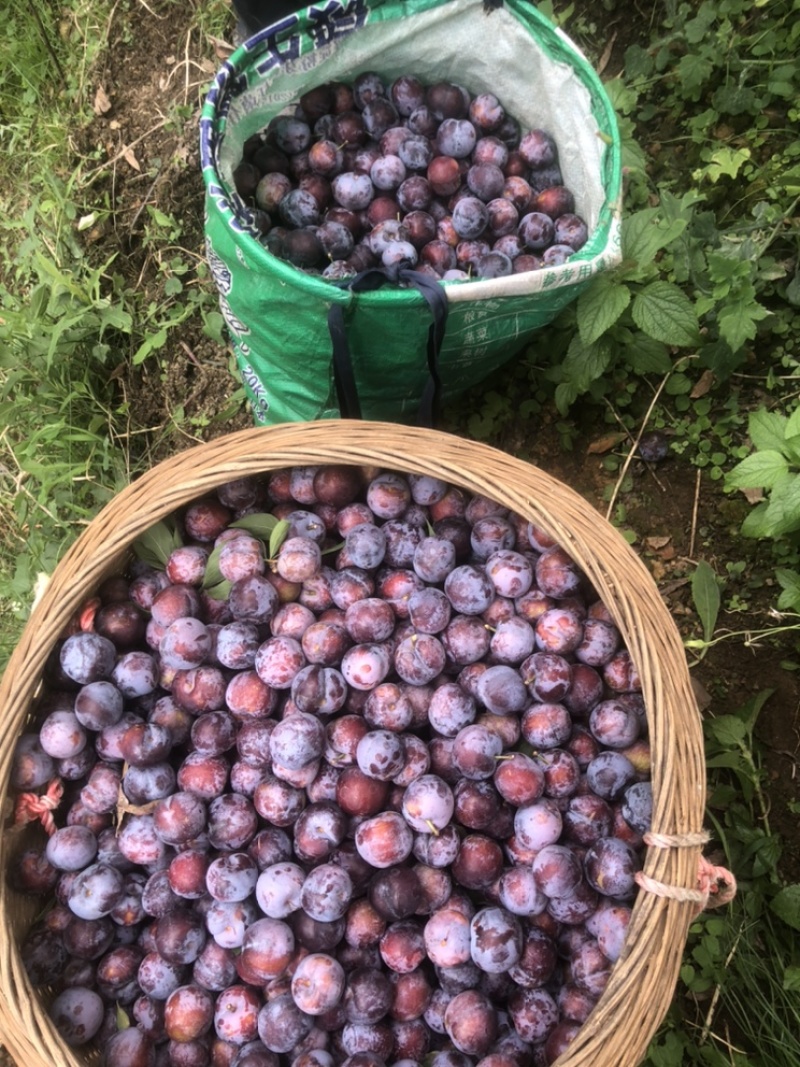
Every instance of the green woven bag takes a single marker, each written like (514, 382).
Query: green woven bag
(278, 315)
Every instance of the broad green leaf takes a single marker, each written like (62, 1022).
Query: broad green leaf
(783, 509)
(752, 709)
(756, 524)
(648, 356)
(645, 232)
(636, 233)
(156, 544)
(638, 62)
(732, 761)
(259, 524)
(791, 449)
(39, 299)
(782, 87)
(697, 28)
(213, 575)
(678, 385)
(213, 326)
(766, 855)
(734, 99)
(791, 979)
(668, 1049)
(159, 217)
(664, 312)
(706, 597)
(737, 320)
(789, 582)
(687, 976)
(726, 272)
(122, 1017)
(220, 591)
(761, 470)
(767, 429)
(117, 318)
(277, 537)
(152, 342)
(623, 96)
(694, 70)
(566, 395)
(600, 306)
(786, 906)
(727, 730)
(725, 162)
(584, 364)
(793, 425)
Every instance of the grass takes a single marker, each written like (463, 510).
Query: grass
(57, 460)
(71, 326)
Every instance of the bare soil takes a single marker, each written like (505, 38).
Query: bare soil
(154, 76)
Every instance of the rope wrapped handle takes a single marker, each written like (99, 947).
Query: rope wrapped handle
(716, 886)
(32, 806)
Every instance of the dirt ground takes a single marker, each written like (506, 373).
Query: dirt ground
(148, 94)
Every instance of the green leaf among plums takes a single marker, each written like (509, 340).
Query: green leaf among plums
(155, 545)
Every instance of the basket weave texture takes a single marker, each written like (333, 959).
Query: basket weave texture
(643, 981)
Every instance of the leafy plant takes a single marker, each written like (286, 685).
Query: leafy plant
(773, 467)
(707, 119)
(741, 964)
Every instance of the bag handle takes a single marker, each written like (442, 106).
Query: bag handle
(343, 375)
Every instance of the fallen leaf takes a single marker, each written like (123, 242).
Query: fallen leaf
(674, 585)
(102, 105)
(114, 125)
(753, 496)
(658, 569)
(701, 694)
(657, 542)
(605, 443)
(130, 159)
(222, 48)
(603, 62)
(704, 383)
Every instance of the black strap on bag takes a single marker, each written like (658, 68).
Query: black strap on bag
(343, 375)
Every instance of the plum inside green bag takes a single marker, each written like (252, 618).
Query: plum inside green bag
(278, 314)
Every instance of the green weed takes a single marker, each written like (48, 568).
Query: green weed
(739, 993)
(71, 326)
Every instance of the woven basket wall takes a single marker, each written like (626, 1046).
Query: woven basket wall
(643, 981)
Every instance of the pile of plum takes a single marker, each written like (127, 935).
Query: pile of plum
(408, 176)
(358, 777)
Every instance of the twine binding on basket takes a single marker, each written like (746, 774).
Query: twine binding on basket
(32, 806)
(716, 885)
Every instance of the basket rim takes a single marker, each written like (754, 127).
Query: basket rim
(648, 969)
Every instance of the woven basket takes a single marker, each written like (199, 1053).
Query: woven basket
(643, 981)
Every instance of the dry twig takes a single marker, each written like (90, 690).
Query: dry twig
(694, 513)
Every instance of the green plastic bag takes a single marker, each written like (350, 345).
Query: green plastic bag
(278, 314)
